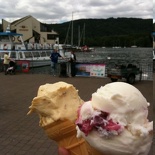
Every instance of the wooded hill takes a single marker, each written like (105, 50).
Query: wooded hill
(153, 27)
(110, 32)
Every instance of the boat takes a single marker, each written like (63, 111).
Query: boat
(37, 54)
(71, 46)
(85, 48)
(133, 46)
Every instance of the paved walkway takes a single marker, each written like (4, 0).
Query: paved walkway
(20, 134)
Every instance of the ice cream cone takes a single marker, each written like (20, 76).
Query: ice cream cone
(64, 133)
(92, 151)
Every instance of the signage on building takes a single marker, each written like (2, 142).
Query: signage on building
(23, 28)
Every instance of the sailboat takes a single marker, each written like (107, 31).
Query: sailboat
(84, 48)
(81, 36)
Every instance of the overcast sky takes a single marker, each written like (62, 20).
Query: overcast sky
(153, 11)
(59, 11)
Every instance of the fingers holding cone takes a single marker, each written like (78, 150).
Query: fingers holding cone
(63, 151)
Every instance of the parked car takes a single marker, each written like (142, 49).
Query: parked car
(128, 72)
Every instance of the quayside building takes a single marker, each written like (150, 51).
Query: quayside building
(33, 31)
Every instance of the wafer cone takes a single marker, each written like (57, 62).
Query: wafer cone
(64, 133)
(92, 151)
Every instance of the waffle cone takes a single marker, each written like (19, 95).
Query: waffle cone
(92, 151)
(64, 133)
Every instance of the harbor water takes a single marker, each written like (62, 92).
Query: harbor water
(141, 57)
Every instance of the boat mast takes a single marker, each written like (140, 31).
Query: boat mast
(72, 31)
(84, 34)
(79, 39)
(66, 39)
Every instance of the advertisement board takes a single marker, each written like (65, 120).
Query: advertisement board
(95, 70)
(23, 65)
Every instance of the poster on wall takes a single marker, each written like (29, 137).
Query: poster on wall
(22, 65)
(96, 70)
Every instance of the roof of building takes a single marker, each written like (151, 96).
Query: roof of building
(16, 22)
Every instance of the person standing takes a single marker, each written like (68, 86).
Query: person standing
(6, 62)
(54, 60)
(73, 63)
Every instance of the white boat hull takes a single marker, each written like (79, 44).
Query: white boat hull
(39, 63)
(34, 61)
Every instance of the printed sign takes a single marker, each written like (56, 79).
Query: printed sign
(96, 70)
(23, 65)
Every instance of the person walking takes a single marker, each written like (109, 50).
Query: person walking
(54, 60)
(6, 62)
(73, 63)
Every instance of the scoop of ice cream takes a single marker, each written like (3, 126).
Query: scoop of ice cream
(58, 101)
(115, 120)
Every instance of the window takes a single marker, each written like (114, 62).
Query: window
(28, 54)
(4, 38)
(36, 54)
(2, 55)
(43, 54)
(48, 53)
(20, 54)
(43, 28)
(51, 36)
(13, 55)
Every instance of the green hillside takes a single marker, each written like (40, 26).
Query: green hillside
(154, 27)
(109, 32)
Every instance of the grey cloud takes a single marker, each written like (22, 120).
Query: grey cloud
(48, 11)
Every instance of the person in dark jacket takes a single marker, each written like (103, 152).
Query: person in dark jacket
(73, 63)
(54, 60)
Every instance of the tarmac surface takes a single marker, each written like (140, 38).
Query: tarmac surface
(20, 133)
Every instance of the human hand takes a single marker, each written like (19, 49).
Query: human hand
(63, 151)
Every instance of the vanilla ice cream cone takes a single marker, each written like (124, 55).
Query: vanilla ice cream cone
(64, 133)
(57, 105)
